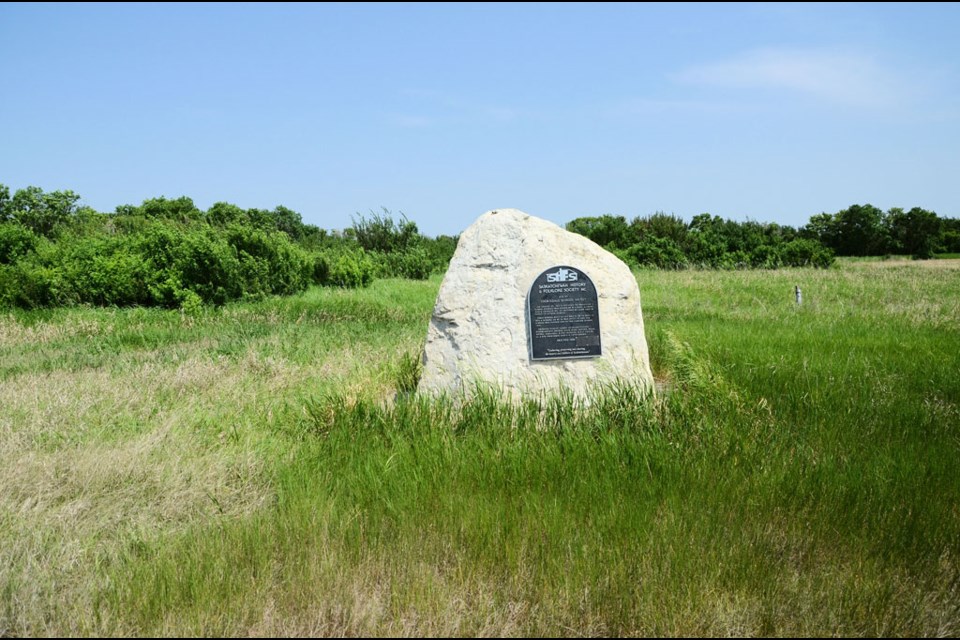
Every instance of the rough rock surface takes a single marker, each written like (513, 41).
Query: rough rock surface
(478, 331)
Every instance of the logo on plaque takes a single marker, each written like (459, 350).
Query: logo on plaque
(563, 275)
(563, 315)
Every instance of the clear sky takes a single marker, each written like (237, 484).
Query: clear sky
(769, 112)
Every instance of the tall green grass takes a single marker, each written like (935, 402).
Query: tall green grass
(796, 474)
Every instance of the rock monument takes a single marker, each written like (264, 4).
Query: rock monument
(529, 308)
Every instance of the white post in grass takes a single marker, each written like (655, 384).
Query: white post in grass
(799, 295)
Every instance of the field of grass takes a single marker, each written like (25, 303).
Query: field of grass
(258, 469)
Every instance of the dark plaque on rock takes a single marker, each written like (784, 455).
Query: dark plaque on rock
(564, 317)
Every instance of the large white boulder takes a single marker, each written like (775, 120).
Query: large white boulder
(479, 332)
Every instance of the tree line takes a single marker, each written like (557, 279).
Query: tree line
(668, 242)
(169, 253)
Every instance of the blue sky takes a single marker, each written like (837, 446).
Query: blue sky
(769, 112)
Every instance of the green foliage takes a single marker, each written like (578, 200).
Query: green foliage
(320, 273)
(654, 251)
(860, 231)
(864, 230)
(950, 238)
(349, 268)
(179, 209)
(414, 263)
(28, 285)
(16, 241)
(270, 263)
(607, 230)
(915, 232)
(100, 270)
(398, 249)
(381, 233)
(223, 213)
(440, 250)
(207, 265)
(38, 211)
(158, 263)
(5, 213)
(667, 242)
(803, 252)
(166, 252)
(765, 256)
(660, 225)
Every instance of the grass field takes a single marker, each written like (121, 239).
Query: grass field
(257, 470)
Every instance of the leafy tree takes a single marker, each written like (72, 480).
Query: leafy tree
(179, 209)
(860, 231)
(950, 236)
(916, 232)
(288, 221)
(822, 227)
(42, 212)
(705, 223)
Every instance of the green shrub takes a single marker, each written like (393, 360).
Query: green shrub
(100, 270)
(321, 268)
(804, 252)
(207, 265)
(414, 264)
(349, 268)
(269, 262)
(29, 285)
(657, 252)
(16, 241)
(383, 234)
(765, 257)
(440, 250)
(705, 249)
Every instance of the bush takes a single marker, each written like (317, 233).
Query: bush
(349, 268)
(207, 265)
(29, 285)
(321, 268)
(657, 252)
(765, 257)
(189, 258)
(705, 249)
(440, 250)
(414, 264)
(16, 241)
(383, 234)
(101, 271)
(803, 252)
(269, 262)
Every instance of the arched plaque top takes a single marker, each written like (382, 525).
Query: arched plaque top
(563, 315)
